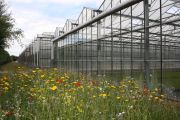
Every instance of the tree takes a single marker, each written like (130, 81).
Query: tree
(14, 58)
(4, 57)
(8, 32)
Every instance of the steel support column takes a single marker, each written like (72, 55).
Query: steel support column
(98, 47)
(146, 44)
(161, 48)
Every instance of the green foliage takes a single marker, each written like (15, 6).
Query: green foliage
(7, 29)
(14, 58)
(4, 57)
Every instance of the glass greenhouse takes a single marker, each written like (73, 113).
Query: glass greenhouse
(135, 38)
(39, 52)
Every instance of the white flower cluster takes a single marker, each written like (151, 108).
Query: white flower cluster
(120, 115)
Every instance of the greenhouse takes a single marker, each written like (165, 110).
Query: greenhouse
(134, 38)
(39, 52)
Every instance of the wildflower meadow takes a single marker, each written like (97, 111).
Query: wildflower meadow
(56, 95)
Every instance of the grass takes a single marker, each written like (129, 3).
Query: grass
(54, 95)
(12, 66)
(171, 78)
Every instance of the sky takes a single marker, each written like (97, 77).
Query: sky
(38, 16)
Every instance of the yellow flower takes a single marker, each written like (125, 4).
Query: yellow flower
(130, 81)
(124, 85)
(55, 69)
(6, 88)
(162, 96)
(122, 91)
(151, 96)
(43, 98)
(79, 109)
(5, 78)
(94, 96)
(161, 100)
(103, 95)
(156, 89)
(42, 76)
(113, 87)
(136, 87)
(118, 98)
(47, 81)
(53, 88)
(32, 89)
(62, 94)
(6, 83)
(156, 98)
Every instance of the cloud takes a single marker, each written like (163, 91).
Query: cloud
(32, 23)
(38, 16)
(68, 2)
(15, 48)
(22, 1)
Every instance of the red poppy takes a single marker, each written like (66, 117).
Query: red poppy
(77, 84)
(8, 113)
(145, 90)
(30, 98)
(94, 83)
(59, 81)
